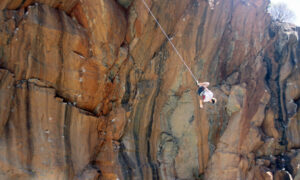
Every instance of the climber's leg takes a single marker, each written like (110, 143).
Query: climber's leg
(200, 102)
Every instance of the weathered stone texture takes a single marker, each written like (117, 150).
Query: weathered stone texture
(93, 90)
(66, 5)
(46, 138)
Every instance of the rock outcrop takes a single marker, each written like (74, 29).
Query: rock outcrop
(93, 90)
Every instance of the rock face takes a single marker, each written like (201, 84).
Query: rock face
(93, 90)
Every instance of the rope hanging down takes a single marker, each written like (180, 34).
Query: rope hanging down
(175, 49)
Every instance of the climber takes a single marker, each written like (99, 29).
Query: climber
(205, 95)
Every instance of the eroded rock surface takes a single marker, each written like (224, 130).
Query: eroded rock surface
(93, 90)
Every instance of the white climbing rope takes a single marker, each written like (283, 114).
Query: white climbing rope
(175, 49)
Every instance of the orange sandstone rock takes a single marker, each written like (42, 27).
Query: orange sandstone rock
(93, 90)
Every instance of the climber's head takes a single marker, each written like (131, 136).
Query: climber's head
(213, 101)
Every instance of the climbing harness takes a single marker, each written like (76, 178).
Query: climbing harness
(175, 49)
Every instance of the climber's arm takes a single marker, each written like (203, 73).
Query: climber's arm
(204, 84)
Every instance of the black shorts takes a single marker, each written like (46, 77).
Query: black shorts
(200, 90)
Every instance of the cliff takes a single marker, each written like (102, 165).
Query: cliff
(93, 90)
